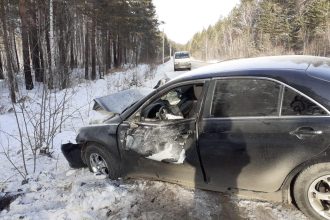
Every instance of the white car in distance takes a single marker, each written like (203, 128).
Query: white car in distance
(182, 60)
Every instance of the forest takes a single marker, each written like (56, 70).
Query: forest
(266, 27)
(45, 40)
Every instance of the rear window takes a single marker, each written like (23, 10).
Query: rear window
(296, 104)
(181, 55)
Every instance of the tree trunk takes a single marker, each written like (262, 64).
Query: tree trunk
(93, 50)
(61, 47)
(41, 52)
(42, 63)
(51, 39)
(34, 44)
(6, 44)
(71, 54)
(16, 54)
(108, 52)
(1, 69)
(49, 79)
(86, 53)
(120, 52)
(136, 48)
(125, 55)
(115, 55)
(63, 68)
(25, 46)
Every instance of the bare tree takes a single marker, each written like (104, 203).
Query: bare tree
(93, 50)
(15, 50)
(1, 68)
(25, 46)
(8, 55)
(86, 52)
(48, 31)
(34, 42)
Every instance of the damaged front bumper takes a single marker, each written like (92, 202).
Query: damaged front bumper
(72, 153)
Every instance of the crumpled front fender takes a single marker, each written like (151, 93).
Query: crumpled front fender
(72, 153)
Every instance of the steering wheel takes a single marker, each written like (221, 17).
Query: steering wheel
(161, 115)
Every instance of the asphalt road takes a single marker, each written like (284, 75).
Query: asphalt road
(196, 64)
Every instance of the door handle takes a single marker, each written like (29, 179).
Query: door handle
(305, 132)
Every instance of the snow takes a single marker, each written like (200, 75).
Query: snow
(54, 191)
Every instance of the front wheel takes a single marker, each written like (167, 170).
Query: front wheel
(312, 191)
(101, 161)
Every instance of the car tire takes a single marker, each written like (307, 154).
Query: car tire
(175, 69)
(101, 161)
(313, 180)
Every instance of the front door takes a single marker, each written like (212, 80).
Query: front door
(161, 136)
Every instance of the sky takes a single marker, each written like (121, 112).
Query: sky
(183, 18)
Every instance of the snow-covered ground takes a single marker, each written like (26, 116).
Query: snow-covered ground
(54, 191)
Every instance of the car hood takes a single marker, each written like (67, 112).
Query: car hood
(118, 102)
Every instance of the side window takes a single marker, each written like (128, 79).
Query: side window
(178, 103)
(245, 98)
(296, 104)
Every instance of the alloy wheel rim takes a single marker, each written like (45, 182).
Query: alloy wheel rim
(98, 164)
(319, 196)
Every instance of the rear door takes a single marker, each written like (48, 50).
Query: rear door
(256, 130)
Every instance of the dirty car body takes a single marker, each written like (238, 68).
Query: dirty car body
(241, 125)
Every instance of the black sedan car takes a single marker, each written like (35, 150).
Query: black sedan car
(258, 126)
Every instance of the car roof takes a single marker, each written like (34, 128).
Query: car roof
(308, 74)
(290, 62)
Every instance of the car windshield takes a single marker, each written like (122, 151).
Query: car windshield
(181, 55)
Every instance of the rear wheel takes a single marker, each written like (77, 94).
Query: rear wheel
(101, 161)
(312, 191)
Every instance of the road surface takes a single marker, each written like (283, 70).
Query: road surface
(195, 64)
